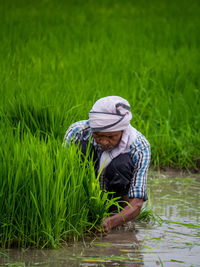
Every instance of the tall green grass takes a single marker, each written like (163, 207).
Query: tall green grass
(48, 195)
(58, 57)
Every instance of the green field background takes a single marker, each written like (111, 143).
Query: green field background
(56, 59)
(64, 55)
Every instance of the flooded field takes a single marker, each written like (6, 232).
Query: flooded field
(174, 197)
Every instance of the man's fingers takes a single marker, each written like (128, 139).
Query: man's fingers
(103, 231)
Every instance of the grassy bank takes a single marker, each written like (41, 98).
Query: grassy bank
(57, 58)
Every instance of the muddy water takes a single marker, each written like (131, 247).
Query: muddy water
(174, 197)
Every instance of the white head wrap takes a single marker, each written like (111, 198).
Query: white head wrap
(112, 114)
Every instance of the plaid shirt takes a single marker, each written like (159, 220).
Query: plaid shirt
(140, 153)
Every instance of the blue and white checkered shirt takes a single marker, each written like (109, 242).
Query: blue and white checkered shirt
(140, 153)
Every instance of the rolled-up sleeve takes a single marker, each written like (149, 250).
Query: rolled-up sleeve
(141, 161)
(75, 132)
(70, 135)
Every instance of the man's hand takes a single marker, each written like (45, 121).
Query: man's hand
(127, 214)
(106, 226)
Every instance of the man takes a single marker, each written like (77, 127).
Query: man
(121, 152)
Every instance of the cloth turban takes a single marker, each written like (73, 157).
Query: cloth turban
(110, 114)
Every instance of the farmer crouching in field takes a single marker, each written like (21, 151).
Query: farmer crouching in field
(122, 151)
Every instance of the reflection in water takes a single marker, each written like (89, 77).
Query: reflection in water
(116, 249)
(173, 198)
(119, 250)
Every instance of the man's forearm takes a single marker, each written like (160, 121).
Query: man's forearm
(129, 213)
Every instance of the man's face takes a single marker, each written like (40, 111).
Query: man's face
(107, 140)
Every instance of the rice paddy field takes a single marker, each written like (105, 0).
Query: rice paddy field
(56, 59)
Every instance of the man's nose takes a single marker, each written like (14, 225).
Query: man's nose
(104, 142)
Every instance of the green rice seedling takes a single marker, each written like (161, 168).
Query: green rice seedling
(147, 214)
(161, 262)
(47, 193)
(190, 225)
(42, 119)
